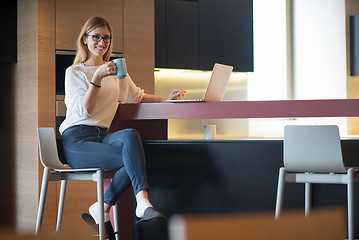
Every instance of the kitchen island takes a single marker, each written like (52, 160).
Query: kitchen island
(151, 118)
(223, 176)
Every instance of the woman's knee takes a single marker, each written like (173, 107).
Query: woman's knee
(133, 135)
(130, 131)
(125, 135)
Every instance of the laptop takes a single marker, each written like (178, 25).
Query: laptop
(216, 86)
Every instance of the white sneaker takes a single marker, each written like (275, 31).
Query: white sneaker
(94, 212)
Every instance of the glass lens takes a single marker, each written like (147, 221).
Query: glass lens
(96, 38)
(106, 38)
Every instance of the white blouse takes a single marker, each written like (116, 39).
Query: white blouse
(112, 91)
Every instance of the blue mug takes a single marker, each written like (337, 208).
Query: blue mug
(121, 69)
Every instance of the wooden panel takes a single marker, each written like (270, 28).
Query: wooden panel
(79, 196)
(46, 63)
(82, 233)
(46, 94)
(321, 224)
(25, 115)
(139, 42)
(72, 15)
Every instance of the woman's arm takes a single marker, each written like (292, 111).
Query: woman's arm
(175, 94)
(150, 98)
(90, 98)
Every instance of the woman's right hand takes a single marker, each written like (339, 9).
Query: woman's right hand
(176, 94)
(106, 69)
(90, 98)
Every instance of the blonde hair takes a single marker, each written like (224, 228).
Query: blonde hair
(82, 50)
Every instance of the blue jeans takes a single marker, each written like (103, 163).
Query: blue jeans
(122, 151)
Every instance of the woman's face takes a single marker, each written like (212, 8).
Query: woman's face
(98, 41)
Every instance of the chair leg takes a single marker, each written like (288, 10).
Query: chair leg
(280, 192)
(61, 204)
(308, 198)
(351, 206)
(100, 200)
(116, 221)
(42, 200)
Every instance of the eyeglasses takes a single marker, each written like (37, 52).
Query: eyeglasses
(97, 38)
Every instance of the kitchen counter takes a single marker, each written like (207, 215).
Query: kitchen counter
(230, 176)
(151, 118)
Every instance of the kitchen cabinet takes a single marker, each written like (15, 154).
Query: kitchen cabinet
(180, 44)
(195, 34)
(71, 16)
(354, 45)
(9, 48)
(226, 34)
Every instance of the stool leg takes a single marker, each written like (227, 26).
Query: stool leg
(351, 206)
(42, 201)
(100, 199)
(61, 204)
(116, 221)
(308, 198)
(280, 192)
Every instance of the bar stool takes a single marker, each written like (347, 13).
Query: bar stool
(312, 154)
(55, 170)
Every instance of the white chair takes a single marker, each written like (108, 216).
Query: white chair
(312, 154)
(54, 170)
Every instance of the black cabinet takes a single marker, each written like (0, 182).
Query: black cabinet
(354, 45)
(160, 33)
(8, 47)
(194, 34)
(182, 34)
(226, 34)
(198, 178)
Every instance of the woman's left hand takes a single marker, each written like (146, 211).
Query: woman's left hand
(176, 94)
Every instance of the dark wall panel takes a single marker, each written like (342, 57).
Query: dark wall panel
(201, 177)
(7, 147)
(195, 34)
(354, 45)
(160, 33)
(182, 34)
(8, 47)
(226, 34)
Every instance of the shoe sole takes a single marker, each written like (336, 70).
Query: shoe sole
(91, 222)
(152, 215)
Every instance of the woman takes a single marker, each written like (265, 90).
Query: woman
(92, 93)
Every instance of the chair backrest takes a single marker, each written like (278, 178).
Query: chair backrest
(312, 149)
(48, 149)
